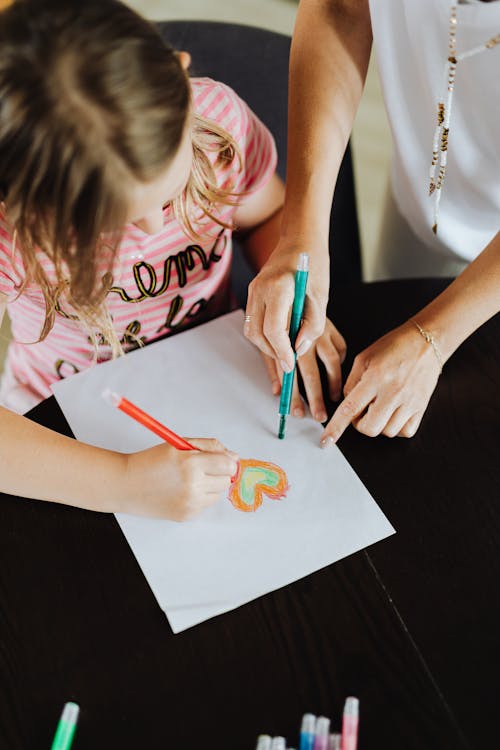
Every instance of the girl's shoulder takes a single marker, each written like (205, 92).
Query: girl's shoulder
(218, 102)
(209, 94)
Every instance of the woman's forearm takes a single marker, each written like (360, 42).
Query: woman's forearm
(329, 59)
(38, 463)
(471, 300)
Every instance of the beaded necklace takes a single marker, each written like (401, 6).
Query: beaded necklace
(441, 134)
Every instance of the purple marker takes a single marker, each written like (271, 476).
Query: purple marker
(322, 733)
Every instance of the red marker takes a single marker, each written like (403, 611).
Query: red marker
(148, 421)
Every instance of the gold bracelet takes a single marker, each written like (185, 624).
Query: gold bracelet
(432, 341)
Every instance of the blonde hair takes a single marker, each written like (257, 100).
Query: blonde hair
(91, 99)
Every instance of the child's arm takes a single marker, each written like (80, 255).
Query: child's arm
(162, 482)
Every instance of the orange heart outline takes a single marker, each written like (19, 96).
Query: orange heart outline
(277, 492)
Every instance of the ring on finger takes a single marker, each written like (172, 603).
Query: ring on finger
(248, 318)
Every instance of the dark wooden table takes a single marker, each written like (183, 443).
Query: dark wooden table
(411, 625)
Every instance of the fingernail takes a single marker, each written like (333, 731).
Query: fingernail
(320, 416)
(327, 442)
(298, 412)
(285, 367)
(276, 388)
(304, 346)
(232, 454)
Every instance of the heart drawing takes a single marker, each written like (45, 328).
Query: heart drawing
(253, 480)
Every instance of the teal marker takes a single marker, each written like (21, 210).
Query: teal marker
(66, 727)
(297, 310)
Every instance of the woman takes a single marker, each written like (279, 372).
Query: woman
(439, 63)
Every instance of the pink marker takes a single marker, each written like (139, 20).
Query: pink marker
(350, 719)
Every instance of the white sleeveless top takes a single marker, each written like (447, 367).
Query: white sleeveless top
(411, 41)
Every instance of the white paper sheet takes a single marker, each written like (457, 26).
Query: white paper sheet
(210, 382)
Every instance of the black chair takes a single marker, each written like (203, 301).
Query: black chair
(254, 62)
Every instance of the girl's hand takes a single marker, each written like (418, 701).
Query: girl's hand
(330, 348)
(388, 388)
(270, 298)
(163, 482)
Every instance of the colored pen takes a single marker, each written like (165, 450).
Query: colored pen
(278, 743)
(335, 742)
(66, 727)
(322, 733)
(299, 299)
(350, 719)
(307, 732)
(150, 422)
(147, 421)
(263, 742)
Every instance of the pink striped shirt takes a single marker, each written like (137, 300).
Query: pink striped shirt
(161, 282)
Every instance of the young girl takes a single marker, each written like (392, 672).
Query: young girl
(120, 182)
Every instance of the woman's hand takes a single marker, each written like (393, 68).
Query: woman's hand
(163, 482)
(330, 348)
(270, 299)
(388, 388)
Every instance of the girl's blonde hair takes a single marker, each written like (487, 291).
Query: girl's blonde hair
(91, 99)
